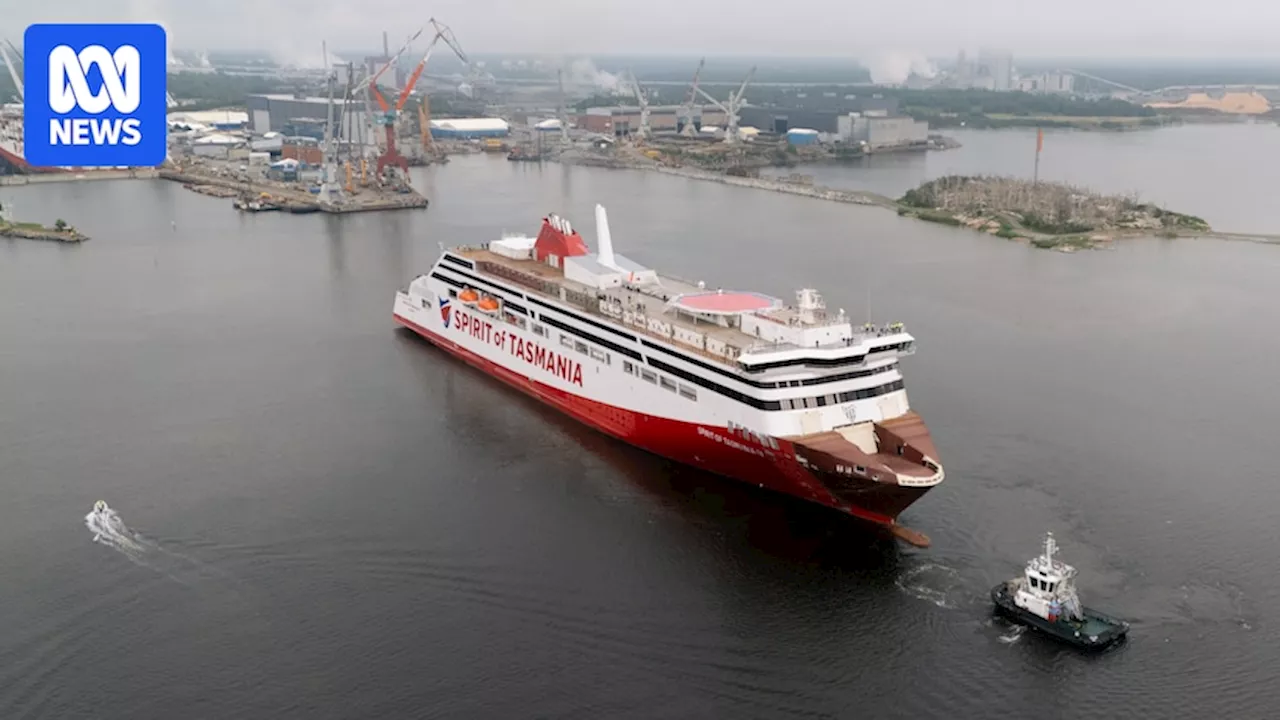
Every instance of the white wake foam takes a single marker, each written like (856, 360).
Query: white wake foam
(109, 529)
(933, 583)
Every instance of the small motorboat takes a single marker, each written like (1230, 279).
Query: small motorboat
(100, 507)
(1044, 598)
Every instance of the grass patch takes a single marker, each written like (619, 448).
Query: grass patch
(933, 216)
(1076, 241)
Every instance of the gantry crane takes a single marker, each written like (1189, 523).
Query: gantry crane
(732, 107)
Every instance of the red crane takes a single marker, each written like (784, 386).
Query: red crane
(391, 156)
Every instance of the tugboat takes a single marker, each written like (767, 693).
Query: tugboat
(1044, 598)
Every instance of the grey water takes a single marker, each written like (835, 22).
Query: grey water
(371, 529)
(1226, 174)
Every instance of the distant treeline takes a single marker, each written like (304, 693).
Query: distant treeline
(986, 102)
(1153, 76)
(216, 90)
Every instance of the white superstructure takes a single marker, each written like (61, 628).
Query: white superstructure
(791, 396)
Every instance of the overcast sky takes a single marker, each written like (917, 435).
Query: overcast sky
(849, 28)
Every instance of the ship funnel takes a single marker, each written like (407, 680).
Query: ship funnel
(603, 239)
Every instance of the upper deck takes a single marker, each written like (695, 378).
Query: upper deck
(747, 331)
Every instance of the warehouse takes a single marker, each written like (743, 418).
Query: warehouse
(622, 120)
(818, 112)
(467, 128)
(281, 112)
(883, 132)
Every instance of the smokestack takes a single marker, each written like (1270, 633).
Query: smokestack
(386, 49)
(605, 251)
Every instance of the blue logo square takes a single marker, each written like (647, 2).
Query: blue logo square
(95, 95)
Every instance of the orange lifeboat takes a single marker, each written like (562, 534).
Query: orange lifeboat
(488, 304)
(469, 296)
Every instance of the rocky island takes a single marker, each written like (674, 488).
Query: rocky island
(60, 232)
(1046, 214)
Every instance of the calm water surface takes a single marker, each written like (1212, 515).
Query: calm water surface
(1227, 174)
(340, 521)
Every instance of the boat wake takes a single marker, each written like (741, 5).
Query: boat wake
(1014, 634)
(934, 583)
(109, 529)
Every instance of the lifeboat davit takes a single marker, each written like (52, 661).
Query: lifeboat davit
(469, 296)
(488, 304)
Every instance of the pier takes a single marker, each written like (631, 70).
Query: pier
(291, 198)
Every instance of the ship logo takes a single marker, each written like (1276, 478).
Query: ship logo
(444, 311)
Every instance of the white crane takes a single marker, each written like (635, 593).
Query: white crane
(643, 100)
(732, 107)
(13, 69)
(687, 109)
(560, 109)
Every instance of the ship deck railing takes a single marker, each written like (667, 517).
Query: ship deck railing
(559, 288)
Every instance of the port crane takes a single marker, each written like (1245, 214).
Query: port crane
(391, 156)
(731, 107)
(643, 100)
(686, 110)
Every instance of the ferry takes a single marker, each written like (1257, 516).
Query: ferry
(789, 397)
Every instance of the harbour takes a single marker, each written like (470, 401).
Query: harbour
(384, 459)
(292, 423)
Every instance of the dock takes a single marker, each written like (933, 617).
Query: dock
(293, 199)
(78, 175)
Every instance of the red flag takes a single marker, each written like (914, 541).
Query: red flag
(1039, 139)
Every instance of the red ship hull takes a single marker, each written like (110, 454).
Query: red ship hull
(705, 448)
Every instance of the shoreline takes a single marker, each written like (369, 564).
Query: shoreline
(1098, 239)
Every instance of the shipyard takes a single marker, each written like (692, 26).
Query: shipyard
(338, 135)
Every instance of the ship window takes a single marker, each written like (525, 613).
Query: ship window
(627, 367)
(597, 355)
(580, 347)
(688, 392)
(667, 384)
(859, 469)
(539, 330)
(649, 376)
(453, 293)
(566, 341)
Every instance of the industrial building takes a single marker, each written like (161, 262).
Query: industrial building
(817, 112)
(620, 120)
(1048, 83)
(880, 133)
(293, 114)
(467, 128)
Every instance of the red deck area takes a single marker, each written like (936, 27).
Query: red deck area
(726, 303)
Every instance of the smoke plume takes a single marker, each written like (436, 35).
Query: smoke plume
(894, 68)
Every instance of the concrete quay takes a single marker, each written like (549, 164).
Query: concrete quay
(290, 198)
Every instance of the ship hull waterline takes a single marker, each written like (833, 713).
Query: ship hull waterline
(683, 443)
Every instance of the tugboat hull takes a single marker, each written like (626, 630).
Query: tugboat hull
(1095, 632)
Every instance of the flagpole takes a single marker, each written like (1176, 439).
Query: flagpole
(1039, 144)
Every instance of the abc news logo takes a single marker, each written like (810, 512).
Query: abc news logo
(69, 90)
(106, 99)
